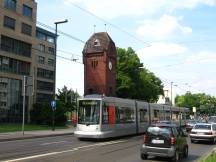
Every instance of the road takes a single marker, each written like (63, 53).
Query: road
(69, 149)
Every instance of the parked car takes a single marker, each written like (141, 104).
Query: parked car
(190, 124)
(164, 140)
(203, 132)
(212, 119)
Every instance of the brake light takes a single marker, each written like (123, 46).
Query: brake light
(145, 139)
(209, 133)
(172, 140)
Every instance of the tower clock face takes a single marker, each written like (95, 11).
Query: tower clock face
(110, 65)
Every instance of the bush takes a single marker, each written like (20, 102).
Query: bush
(42, 113)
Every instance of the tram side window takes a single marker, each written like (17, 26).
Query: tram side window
(167, 115)
(161, 115)
(117, 114)
(126, 115)
(105, 115)
(174, 115)
(156, 115)
(143, 115)
(108, 114)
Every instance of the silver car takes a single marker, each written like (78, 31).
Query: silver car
(203, 132)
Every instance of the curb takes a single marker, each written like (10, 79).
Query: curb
(34, 136)
(205, 155)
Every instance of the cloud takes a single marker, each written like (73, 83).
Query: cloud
(116, 8)
(165, 26)
(157, 50)
(69, 2)
(202, 57)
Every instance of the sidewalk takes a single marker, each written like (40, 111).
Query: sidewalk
(10, 136)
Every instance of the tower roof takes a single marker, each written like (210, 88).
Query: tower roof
(98, 42)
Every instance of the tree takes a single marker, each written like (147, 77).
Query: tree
(135, 81)
(42, 114)
(205, 104)
(68, 98)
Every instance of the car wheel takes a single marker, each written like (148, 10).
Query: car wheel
(144, 156)
(175, 158)
(185, 154)
(192, 141)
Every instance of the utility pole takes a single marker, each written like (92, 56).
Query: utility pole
(56, 35)
(54, 102)
(171, 93)
(171, 100)
(24, 95)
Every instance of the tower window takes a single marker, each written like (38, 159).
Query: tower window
(110, 91)
(96, 42)
(94, 64)
(90, 91)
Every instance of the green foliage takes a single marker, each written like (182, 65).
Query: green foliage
(210, 158)
(42, 114)
(68, 98)
(7, 127)
(133, 80)
(204, 103)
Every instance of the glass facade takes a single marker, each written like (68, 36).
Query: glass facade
(51, 62)
(9, 22)
(10, 4)
(45, 37)
(41, 97)
(15, 46)
(10, 100)
(26, 29)
(43, 73)
(14, 66)
(27, 11)
(45, 86)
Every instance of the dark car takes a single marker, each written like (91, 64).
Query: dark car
(164, 140)
(190, 124)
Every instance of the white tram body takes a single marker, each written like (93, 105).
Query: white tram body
(104, 117)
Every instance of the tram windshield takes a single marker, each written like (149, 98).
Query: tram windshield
(89, 112)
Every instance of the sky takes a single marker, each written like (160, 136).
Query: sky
(174, 39)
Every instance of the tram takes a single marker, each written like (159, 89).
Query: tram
(104, 117)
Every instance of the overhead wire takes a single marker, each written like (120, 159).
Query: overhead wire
(112, 25)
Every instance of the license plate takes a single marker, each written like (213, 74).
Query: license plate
(200, 133)
(158, 141)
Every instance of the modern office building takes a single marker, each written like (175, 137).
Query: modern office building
(25, 50)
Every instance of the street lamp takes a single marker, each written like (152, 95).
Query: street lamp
(171, 93)
(56, 32)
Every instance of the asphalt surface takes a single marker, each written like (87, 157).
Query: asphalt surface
(68, 148)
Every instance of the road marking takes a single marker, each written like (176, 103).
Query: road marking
(50, 143)
(66, 151)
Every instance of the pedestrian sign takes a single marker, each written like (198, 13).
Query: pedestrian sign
(53, 104)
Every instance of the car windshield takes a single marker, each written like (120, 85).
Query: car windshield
(165, 131)
(199, 126)
(88, 112)
(191, 121)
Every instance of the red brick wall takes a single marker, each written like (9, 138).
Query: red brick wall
(97, 75)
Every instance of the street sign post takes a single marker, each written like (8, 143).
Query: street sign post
(53, 105)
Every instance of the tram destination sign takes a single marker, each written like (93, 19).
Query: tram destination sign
(88, 103)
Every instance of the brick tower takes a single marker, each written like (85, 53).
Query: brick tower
(99, 58)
